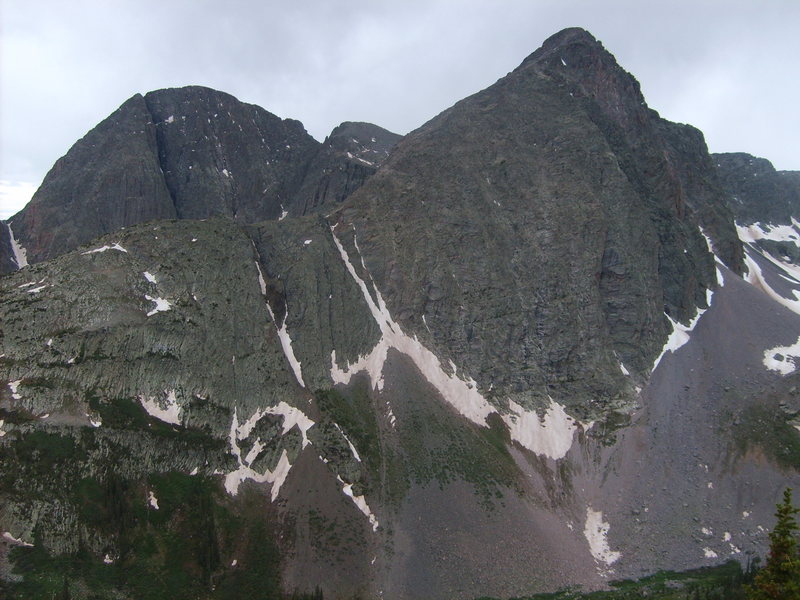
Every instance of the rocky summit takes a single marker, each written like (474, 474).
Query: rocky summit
(543, 341)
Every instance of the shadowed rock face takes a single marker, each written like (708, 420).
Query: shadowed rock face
(111, 178)
(8, 261)
(756, 191)
(427, 371)
(346, 159)
(192, 153)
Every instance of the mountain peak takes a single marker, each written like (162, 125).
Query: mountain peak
(568, 36)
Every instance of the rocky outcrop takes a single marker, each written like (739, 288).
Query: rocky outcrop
(222, 157)
(193, 153)
(347, 158)
(8, 259)
(109, 179)
(756, 191)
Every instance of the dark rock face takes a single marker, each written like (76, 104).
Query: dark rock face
(554, 193)
(111, 178)
(193, 153)
(347, 158)
(222, 157)
(756, 191)
(8, 261)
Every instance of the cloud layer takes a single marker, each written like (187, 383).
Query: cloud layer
(728, 68)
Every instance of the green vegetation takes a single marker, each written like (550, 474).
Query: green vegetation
(354, 413)
(780, 577)
(174, 552)
(440, 449)
(724, 582)
(767, 428)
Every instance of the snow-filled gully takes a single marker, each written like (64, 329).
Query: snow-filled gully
(550, 436)
(292, 417)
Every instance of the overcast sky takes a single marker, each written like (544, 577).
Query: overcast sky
(731, 68)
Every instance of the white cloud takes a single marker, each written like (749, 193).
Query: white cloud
(13, 196)
(727, 67)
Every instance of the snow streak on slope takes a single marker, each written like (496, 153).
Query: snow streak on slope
(20, 254)
(782, 358)
(679, 336)
(238, 432)
(596, 533)
(114, 246)
(171, 413)
(359, 501)
(462, 395)
(283, 333)
(749, 236)
(550, 437)
(682, 333)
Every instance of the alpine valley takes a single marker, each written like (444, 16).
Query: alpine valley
(545, 340)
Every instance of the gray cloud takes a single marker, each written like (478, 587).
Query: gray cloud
(728, 68)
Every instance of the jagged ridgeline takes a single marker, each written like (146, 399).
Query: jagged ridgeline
(544, 340)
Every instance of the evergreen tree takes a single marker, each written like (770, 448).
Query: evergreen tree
(780, 577)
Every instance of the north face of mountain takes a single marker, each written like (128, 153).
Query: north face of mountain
(192, 153)
(538, 231)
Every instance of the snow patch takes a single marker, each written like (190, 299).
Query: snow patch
(114, 246)
(107, 559)
(152, 501)
(782, 358)
(286, 344)
(275, 476)
(14, 386)
(225, 172)
(349, 443)
(10, 538)
(161, 305)
(2, 431)
(726, 537)
(755, 277)
(166, 410)
(284, 214)
(624, 370)
(549, 436)
(709, 553)
(307, 242)
(461, 394)
(360, 502)
(596, 533)
(767, 231)
(680, 335)
(20, 253)
(149, 276)
(706, 531)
